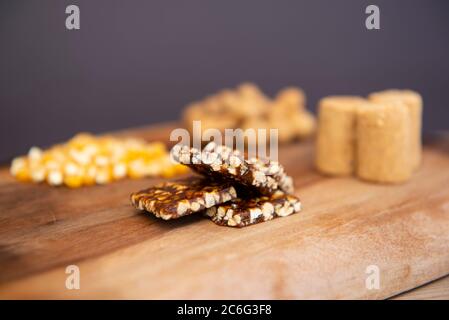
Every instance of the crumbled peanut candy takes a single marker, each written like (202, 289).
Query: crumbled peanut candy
(171, 200)
(243, 212)
(247, 107)
(221, 162)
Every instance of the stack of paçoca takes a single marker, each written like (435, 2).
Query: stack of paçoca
(230, 190)
(378, 139)
(247, 107)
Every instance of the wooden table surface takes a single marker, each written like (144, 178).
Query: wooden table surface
(323, 252)
(435, 290)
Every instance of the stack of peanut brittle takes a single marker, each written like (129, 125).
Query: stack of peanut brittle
(229, 189)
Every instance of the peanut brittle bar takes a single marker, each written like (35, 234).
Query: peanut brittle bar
(174, 199)
(246, 211)
(221, 162)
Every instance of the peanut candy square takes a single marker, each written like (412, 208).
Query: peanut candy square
(174, 199)
(250, 210)
(222, 163)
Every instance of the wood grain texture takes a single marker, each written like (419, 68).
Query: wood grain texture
(322, 252)
(436, 290)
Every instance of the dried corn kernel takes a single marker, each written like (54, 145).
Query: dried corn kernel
(89, 175)
(119, 170)
(35, 154)
(137, 169)
(101, 160)
(154, 167)
(17, 165)
(181, 169)
(23, 174)
(38, 174)
(103, 176)
(52, 165)
(72, 169)
(54, 178)
(80, 157)
(168, 172)
(73, 181)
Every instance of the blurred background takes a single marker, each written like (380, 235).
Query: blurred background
(134, 63)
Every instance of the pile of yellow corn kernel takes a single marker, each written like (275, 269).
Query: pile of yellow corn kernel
(86, 160)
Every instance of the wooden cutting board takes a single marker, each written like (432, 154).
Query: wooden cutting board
(323, 252)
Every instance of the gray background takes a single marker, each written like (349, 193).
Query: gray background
(139, 62)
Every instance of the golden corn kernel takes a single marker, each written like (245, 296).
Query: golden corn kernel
(23, 174)
(103, 176)
(17, 165)
(38, 174)
(119, 170)
(181, 169)
(117, 153)
(168, 172)
(102, 161)
(80, 140)
(58, 154)
(73, 181)
(80, 157)
(136, 169)
(154, 167)
(71, 169)
(55, 178)
(174, 169)
(35, 154)
(89, 176)
(52, 165)
(46, 157)
(132, 143)
(90, 149)
(155, 150)
(132, 155)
